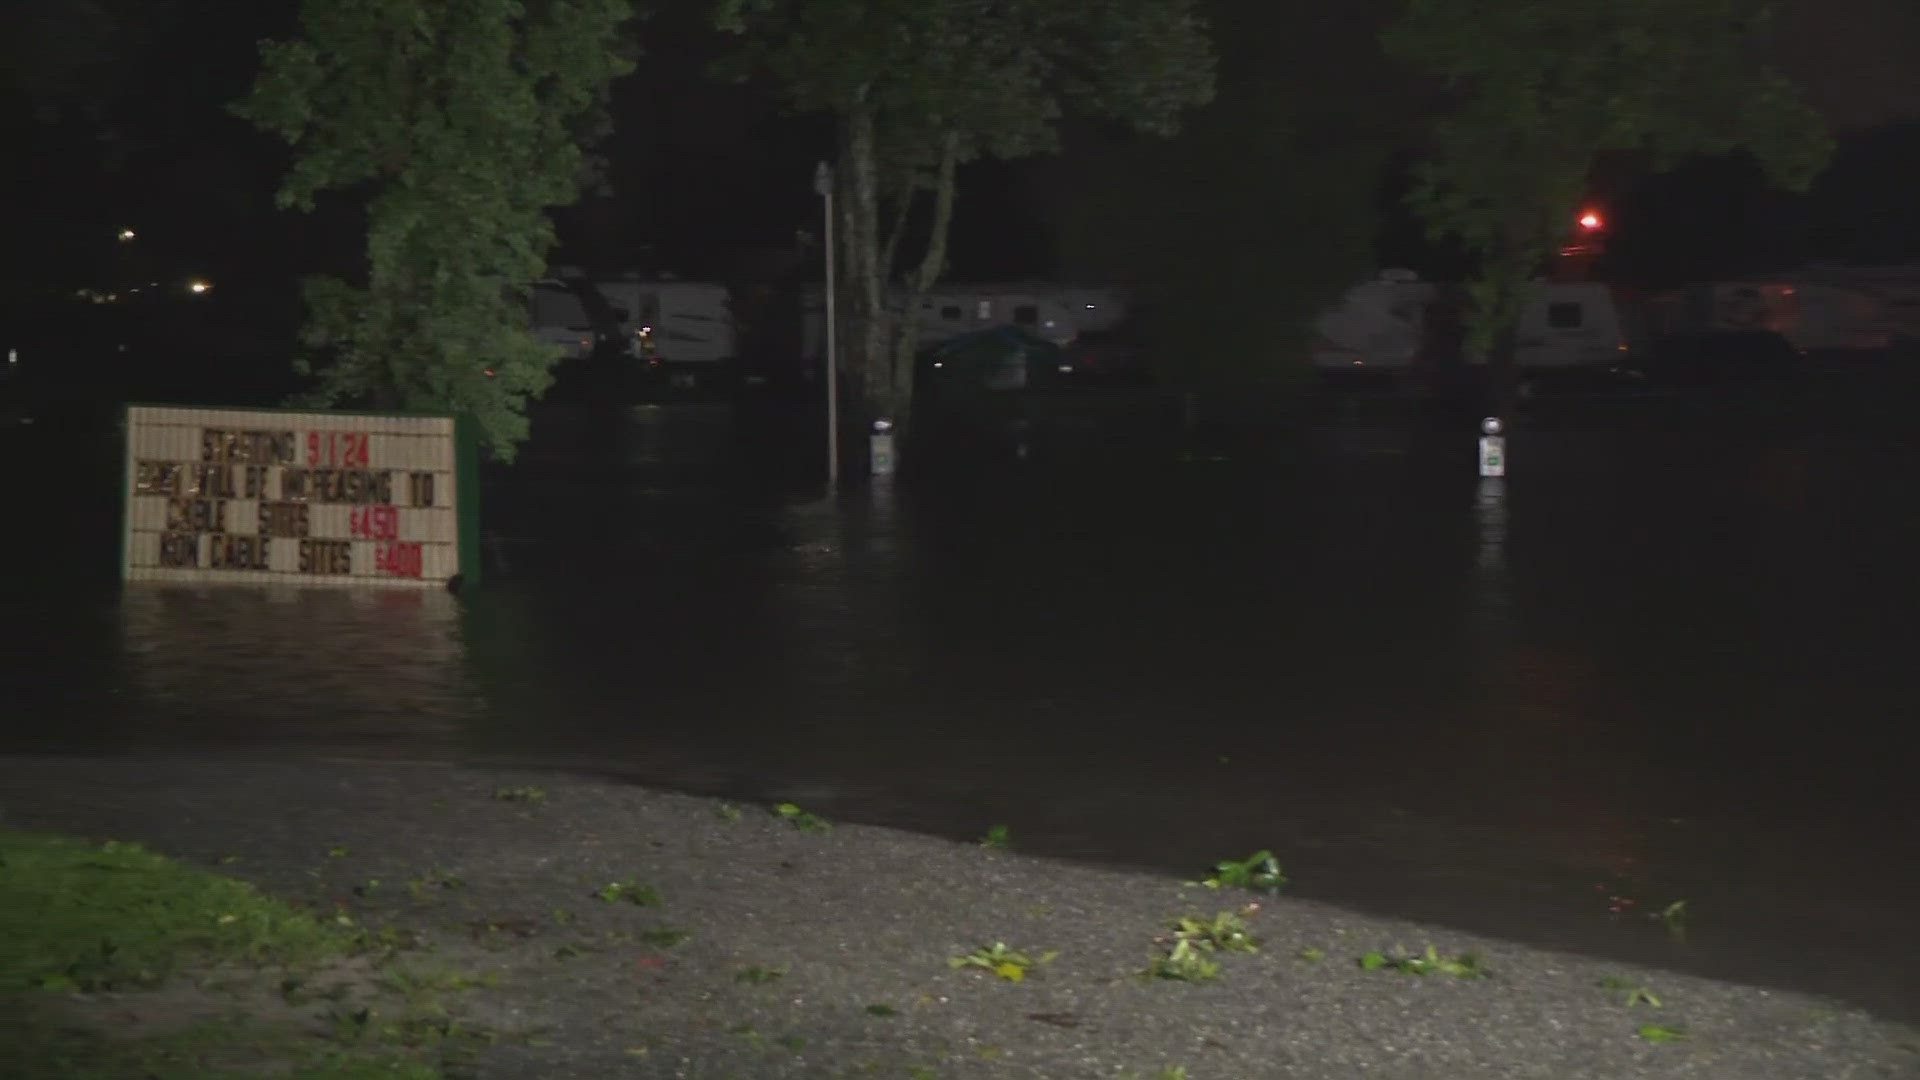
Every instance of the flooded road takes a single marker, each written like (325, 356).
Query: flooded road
(1651, 665)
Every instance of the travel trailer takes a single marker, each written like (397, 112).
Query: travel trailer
(684, 329)
(1386, 325)
(1822, 309)
(1056, 313)
(680, 325)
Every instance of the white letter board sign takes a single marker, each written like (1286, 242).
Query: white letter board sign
(219, 496)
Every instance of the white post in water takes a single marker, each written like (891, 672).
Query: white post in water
(823, 186)
(881, 447)
(1493, 448)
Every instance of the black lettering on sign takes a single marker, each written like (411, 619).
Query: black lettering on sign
(238, 552)
(180, 550)
(337, 485)
(420, 488)
(284, 519)
(158, 478)
(196, 515)
(326, 557)
(220, 444)
(212, 480)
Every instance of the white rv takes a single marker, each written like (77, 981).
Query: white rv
(679, 324)
(1379, 325)
(1058, 313)
(1382, 325)
(1822, 309)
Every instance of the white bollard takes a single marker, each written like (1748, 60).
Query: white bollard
(880, 447)
(1493, 448)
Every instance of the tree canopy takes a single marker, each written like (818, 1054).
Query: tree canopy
(460, 123)
(918, 87)
(1234, 234)
(1538, 91)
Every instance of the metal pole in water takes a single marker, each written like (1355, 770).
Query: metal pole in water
(823, 185)
(881, 447)
(1493, 448)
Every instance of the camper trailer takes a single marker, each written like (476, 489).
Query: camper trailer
(683, 326)
(1386, 325)
(1833, 309)
(1054, 312)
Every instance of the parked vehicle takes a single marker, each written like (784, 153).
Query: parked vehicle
(570, 312)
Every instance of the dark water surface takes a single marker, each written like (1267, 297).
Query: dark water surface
(1653, 664)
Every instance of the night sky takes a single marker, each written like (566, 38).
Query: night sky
(115, 113)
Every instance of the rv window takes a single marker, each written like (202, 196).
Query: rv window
(950, 313)
(1564, 315)
(1026, 314)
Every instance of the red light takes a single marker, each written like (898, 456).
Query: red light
(1590, 221)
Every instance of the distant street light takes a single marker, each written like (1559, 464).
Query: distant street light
(198, 288)
(126, 235)
(823, 187)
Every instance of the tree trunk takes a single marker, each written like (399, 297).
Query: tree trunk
(866, 273)
(907, 334)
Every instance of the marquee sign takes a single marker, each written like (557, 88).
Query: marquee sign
(265, 496)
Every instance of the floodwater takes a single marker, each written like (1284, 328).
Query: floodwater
(1659, 661)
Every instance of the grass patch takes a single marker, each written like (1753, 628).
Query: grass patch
(87, 916)
(183, 947)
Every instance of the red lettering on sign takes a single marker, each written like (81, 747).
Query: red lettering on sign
(375, 521)
(338, 449)
(400, 558)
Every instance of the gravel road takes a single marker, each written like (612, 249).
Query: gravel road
(776, 951)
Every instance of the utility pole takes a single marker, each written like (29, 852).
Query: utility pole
(823, 186)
